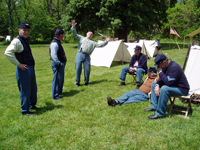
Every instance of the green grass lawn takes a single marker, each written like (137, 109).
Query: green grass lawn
(83, 120)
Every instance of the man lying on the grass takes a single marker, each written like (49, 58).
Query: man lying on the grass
(138, 95)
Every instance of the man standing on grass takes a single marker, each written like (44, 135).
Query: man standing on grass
(58, 63)
(172, 82)
(85, 48)
(137, 95)
(138, 64)
(19, 53)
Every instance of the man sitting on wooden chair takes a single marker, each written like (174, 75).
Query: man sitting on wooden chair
(172, 82)
(136, 95)
(138, 65)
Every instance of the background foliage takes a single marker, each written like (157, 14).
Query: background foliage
(144, 19)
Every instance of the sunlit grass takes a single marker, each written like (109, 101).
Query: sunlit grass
(82, 120)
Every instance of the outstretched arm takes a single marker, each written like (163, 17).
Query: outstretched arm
(73, 23)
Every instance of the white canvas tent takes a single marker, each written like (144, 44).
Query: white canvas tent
(8, 38)
(192, 70)
(149, 48)
(113, 51)
(131, 46)
(192, 75)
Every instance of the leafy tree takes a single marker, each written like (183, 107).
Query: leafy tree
(184, 17)
(118, 15)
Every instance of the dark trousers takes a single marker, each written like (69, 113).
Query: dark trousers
(27, 85)
(58, 79)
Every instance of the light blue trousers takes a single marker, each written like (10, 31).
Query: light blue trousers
(82, 58)
(27, 85)
(132, 96)
(125, 70)
(160, 102)
(58, 79)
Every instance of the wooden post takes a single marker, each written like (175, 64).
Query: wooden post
(177, 44)
(169, 37)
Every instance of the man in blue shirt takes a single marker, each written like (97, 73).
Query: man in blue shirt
(138, 64)
(58, 63)
(172, 82)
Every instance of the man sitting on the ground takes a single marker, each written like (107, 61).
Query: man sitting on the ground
(138, 64)
(136, 95)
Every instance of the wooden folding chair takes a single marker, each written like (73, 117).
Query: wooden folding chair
(135, 77)
(181, 109)
(192, 74)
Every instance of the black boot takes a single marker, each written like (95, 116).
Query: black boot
(138, 85)
(122, 83)
(111, 102)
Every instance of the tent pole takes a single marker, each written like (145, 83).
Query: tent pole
(177, 44)
(169, 37)
(186, 58)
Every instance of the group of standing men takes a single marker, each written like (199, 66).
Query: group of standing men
(171, 81)
(19, 53)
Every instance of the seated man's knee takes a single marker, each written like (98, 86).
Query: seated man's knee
(153, 85)
(125, 69)
(163, 89)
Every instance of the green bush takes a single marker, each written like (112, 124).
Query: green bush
(6, 42)
(69, 38)
(2, 38)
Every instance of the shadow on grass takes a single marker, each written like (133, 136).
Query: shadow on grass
(49, 106)
(119, 63)
(72, 93)
(99, 81)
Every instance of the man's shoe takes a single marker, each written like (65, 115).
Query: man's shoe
(138, 85)
(77, 85)
(149, 109)
(155, 116)
(64, 93)
(28, 114)
(58, 99)
(33, 107)
(133, 82)
(111, 102)
(87, 84)
(122, 83)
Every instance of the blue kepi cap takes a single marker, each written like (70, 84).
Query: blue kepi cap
(24, 25)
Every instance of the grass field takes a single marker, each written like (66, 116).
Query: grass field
(82, 120)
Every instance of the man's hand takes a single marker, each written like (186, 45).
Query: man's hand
(131, 69)
(107, 39)
(159, 69)
(157, 90)
(74, 23)
(22, 67)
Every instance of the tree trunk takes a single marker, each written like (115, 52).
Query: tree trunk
(122, 34)
(10, 19)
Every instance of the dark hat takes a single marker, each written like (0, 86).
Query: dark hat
(138, 47)
(159, 59)
(24, 25)
(90, 30)
(152, 69)
(59, 31)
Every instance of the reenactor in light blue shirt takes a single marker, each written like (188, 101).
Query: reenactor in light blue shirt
(85, 48)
